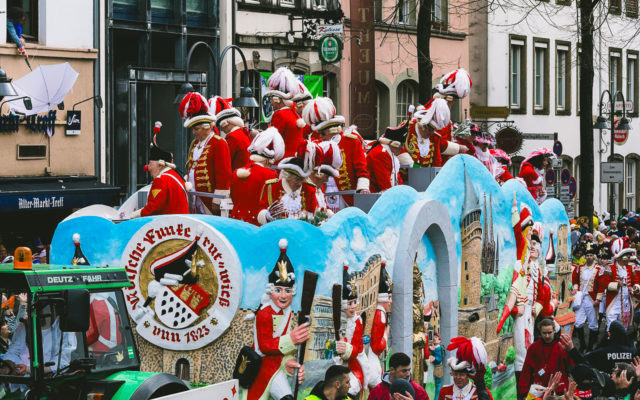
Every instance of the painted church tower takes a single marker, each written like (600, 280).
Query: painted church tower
(471, 256)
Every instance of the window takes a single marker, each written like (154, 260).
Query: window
(563, 79)
(382, 106)
(517, 74)
(615, 71)
(329, 86)
(287, 3)
(632, 81)
(631, 8)
(405, 96)
(630, 184)
(377, 11)
(320, 4)
(30, 25)
(440, 14)
(541, 76)
(614, 7)
(405, 11)
(182, 369)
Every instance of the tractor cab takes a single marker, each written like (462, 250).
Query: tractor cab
(73, 338)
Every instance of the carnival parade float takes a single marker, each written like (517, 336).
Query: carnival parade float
(431, 265)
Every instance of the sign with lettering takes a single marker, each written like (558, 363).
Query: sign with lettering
(330, 49)
(73, 122)
(489, 112)
(322, 30)
(187, 282)
(58, 280)
(363, 69)
(40, 202)
(620, 136)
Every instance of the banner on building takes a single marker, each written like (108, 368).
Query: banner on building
(312, 82)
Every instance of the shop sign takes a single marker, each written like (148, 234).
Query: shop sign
(186, 283)
(322, 30)
(330, 49)
(73, 122)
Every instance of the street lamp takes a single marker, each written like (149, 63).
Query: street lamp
(26, 100)
(6, 88)
(97, 98)
(601, 123)
(246, 98)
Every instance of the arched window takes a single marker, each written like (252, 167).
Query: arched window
(382, 107)
(405, 96)
(183, 369)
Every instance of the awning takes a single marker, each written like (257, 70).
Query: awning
(55, 193)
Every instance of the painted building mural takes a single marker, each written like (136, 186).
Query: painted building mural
(199, 281)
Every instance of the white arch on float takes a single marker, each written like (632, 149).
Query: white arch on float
(431, 218)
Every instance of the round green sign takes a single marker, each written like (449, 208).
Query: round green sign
(330, 49)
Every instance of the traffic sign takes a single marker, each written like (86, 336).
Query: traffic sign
(557, 148)
(612, 172)
(620, 136)
(564, 190)
(330, 49)
(551, 191)
(565, 198)
(617, 106)
(489, 112)
(573, 187)
(565, 176)
(550, 177)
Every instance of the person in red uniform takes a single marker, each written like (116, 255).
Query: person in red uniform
(301, 100)
(532, 172)
(274, 339)
(619, 283)
(351, 347)
(468, 368)
(291, 196)
(502, 173)
(283, 86)
(453, 86)
(229, 121)
(320, 113)
(266, 149)
(168, 193)
(379, 328)
(544, 358)
(585, 291)
(382, 160)
(209, 163)
(104, 333)
(327, 167)
(424, 145)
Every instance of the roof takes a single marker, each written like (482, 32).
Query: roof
(48, 278)
(471, 202)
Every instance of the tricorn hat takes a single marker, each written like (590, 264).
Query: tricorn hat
(194, 109)
(384, 285)
(283, 273)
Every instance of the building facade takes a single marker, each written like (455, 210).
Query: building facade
(526, 59)
(47, 171)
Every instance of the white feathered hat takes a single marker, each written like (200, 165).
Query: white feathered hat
(194, 109)
(456, 83)
(224, 112)
(267, 144)
(306, 158)
(283, 83)
(620, 247)
(320, 113)
(470, 354)
(303, 95)
(330, 160)
(436, 114)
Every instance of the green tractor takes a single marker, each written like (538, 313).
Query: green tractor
(75, 340)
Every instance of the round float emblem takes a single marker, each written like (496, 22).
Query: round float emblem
(187, 282)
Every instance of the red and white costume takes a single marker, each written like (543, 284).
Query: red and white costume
(583, 278)
(470, 357)
(103, 333)
(616, 282)
(384, 168)
(168, 195)
(273, 343)
(320, 113)
(238, 141)
(329, 164)
(534, 179)
(378, 337)
(238, 138)
(247, 183)
(209, 168)
(299, 203)
(452, 392)
(284, 85)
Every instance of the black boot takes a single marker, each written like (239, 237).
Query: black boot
(580, 335)
(593, 339)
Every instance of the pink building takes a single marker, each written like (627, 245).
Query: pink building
(396, 66)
